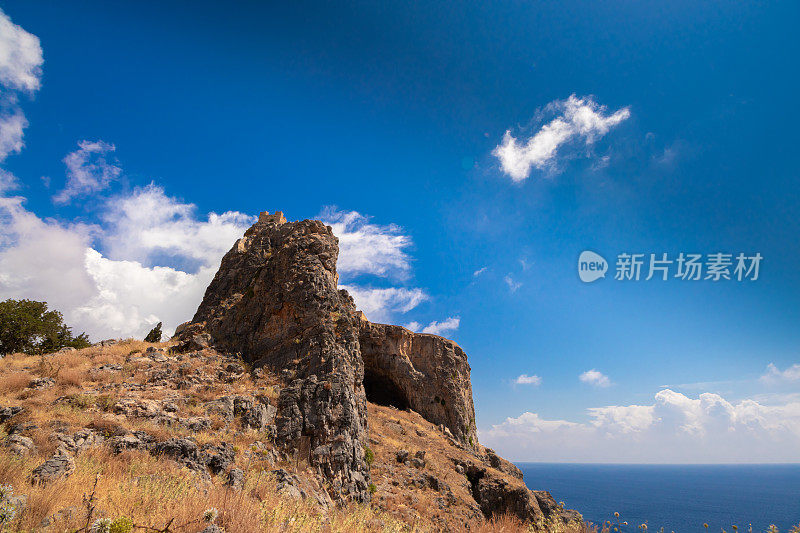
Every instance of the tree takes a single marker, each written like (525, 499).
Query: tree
(154, 335)
(27, 326)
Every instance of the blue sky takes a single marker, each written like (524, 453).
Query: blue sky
(385, 120)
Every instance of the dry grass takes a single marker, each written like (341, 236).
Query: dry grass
(155, 492)
(14, 382)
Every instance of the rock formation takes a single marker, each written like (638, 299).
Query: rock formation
(275, 303)
(426, 373)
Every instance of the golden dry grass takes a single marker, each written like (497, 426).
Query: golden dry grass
(155, 492)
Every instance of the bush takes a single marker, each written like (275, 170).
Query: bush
(369, 456)
(27, 326)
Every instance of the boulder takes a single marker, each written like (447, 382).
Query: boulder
(54, 468)
(20, 444)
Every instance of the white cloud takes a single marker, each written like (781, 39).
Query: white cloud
(579, 120)
(379, 304)
(479, 272)
(20, 57)
(149, 227)
(116, 294)
(12, 124)
(596, 378)
(90, 169)
(512, 285)
(366, 248)
(774, 375)
(674, 428)
(20, 72)
(376, 250)
(436, 328)
(525, 379)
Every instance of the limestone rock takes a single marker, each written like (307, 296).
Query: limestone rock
(495, 461)
(20, 444)
(424, 372)
(8, 412)
(55, 467)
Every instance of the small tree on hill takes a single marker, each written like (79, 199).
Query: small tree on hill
(27, 326)
(154, 335)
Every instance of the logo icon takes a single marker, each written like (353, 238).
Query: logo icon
(591, 266)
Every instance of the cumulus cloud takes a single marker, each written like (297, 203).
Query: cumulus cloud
(579, 121)
(378, 250)
(20, 57)
(366, 248)
(525, 379)
(152, 228)
(596, 378)
(90, 169)
(84, 271)
(436, 328)
(674, 428)
(20, 73)
(379, 304)
(774, 375)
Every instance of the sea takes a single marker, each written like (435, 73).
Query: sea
(679, 498)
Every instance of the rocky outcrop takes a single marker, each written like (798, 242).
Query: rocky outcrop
(275, 304)
(424, 372)
(275, 301)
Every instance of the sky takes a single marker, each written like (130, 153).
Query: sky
(465, 157)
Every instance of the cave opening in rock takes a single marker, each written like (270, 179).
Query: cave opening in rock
(383, 391)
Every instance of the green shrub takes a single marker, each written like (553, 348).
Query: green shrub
(27, 326)
(123, 524)
(373, 488)
(369, 456)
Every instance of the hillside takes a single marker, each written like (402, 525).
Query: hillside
(279, 405)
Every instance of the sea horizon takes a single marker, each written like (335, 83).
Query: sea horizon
(677, 497)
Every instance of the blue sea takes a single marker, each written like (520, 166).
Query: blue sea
(678, 497)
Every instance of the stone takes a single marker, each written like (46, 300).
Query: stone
(8, 412)
(401, 456)
(217, 458)
(235, 479)
(76, 443)
(495, 461)
(20, 444)
(212, 528)
(54, 468)
(183, 451)
(42, 383)
(67, 349)
(126, 442)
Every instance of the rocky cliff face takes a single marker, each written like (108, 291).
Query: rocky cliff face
(426, 373)
(275, 301)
